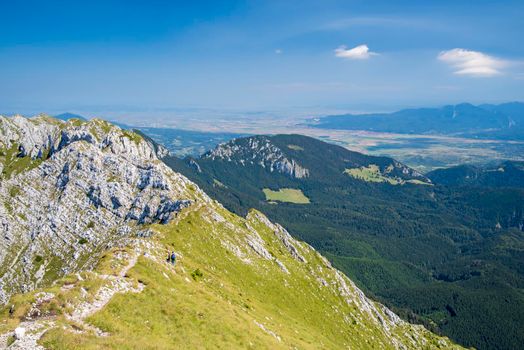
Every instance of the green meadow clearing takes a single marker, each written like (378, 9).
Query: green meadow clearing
(289, 195)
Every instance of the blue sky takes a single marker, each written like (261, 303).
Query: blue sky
(358, 55)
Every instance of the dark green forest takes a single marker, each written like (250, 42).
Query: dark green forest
(506, 174)
(449, 257)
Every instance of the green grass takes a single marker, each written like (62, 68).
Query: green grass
(218, 184)
(14, 191)
(133, 136)
(13, 164)
(76, 122)
(371, 173)
(295, 147)
(216, 308)
(212, 299)
(10, 340)
(289, 195)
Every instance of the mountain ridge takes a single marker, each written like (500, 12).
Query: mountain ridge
(89, 175)
(277, 153)
(504, 121)
(255, 285)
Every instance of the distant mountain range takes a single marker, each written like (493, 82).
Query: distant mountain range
(503, 121)
(67, 116)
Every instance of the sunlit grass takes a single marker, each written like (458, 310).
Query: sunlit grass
(289, 195)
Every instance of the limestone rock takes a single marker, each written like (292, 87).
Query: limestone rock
(19, 333)
(259, 150)
(77, 188)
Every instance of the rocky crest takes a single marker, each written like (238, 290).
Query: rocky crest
(258, 150)
(70, 190)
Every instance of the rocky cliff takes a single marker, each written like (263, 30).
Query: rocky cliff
(70, 190)
(258, 150)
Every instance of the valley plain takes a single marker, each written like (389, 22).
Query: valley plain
(424, 152)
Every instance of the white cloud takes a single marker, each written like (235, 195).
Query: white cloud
(278, 51)
(360, 52)
(473, 63)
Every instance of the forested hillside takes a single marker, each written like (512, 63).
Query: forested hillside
(444, 256)
(507, 174)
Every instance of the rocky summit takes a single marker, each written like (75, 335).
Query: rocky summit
(71, 189)
(88, 215)
(258, 150)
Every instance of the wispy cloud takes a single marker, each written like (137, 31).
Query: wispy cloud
(360, 52)
(391, 22)
(473, 63)
(519, 76)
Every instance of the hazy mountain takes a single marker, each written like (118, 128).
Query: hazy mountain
(66, 116)
(504, 121)
(88, 214)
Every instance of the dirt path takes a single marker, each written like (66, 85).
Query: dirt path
(33, 332)
(119, 283)
(34, 329)
(115, 284)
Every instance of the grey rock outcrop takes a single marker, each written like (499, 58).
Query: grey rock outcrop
(258, 151)
(76, 188)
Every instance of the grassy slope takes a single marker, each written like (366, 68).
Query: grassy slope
(220, 307)
(289, 195)
(371, 174)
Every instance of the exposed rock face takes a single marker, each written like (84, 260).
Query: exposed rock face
(31, 136)
(258, 151)
(405, 170)
(77, 189)
(280, 232)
